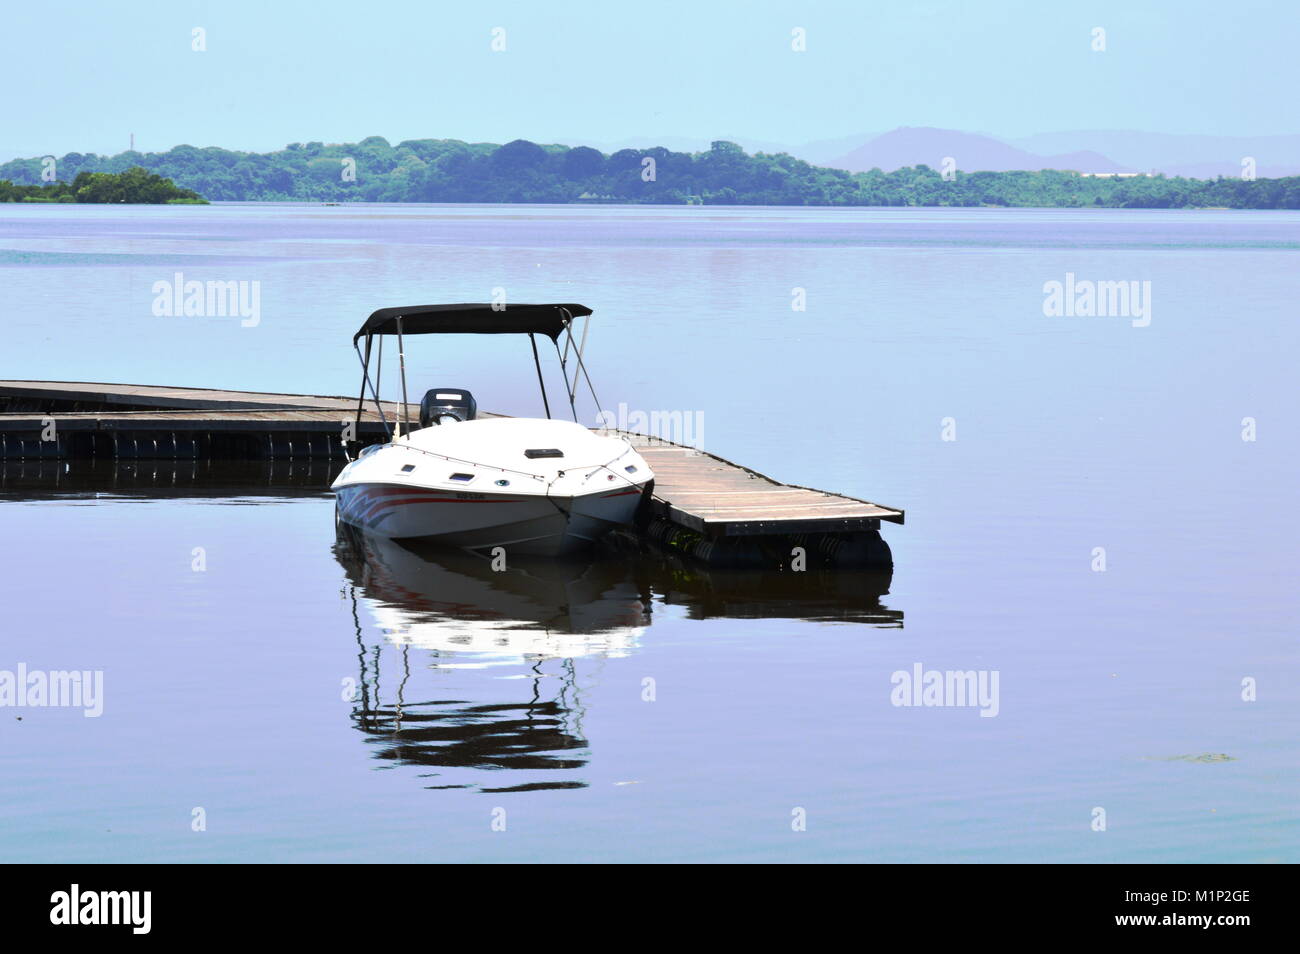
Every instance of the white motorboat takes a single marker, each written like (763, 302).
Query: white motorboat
(529, 485)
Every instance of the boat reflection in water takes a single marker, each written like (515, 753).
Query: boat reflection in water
(465, 671)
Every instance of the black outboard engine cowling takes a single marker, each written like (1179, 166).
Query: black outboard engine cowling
(447, 404)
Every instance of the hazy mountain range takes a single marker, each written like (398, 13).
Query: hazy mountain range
(1104, 150)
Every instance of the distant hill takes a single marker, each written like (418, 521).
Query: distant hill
(924, 145)
(824, 152)
(1092, 151)
(449, 170)
(1178, 155)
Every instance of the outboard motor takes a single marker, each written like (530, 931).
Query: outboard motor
(447, 404)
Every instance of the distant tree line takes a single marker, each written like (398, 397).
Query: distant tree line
(448, 170)
(133, 185)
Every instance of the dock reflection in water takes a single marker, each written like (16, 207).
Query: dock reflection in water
(536, 634)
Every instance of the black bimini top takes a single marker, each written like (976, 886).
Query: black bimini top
(473, 318)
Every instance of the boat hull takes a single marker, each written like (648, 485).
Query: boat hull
(524, 524)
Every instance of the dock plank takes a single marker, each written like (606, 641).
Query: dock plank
(716, 497)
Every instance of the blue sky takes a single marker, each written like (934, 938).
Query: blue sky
(87, 76)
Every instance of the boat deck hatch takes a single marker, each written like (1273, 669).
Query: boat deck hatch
(463, 478)
(535, 452)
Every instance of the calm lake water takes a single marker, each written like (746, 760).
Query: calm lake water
(320, 699)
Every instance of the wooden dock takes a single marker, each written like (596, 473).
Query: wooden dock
(702, 505)
(715, 497)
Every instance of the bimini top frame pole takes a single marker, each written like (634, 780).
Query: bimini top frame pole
(537, 363)
(366, 382)
(571, 388)
(401, 364)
